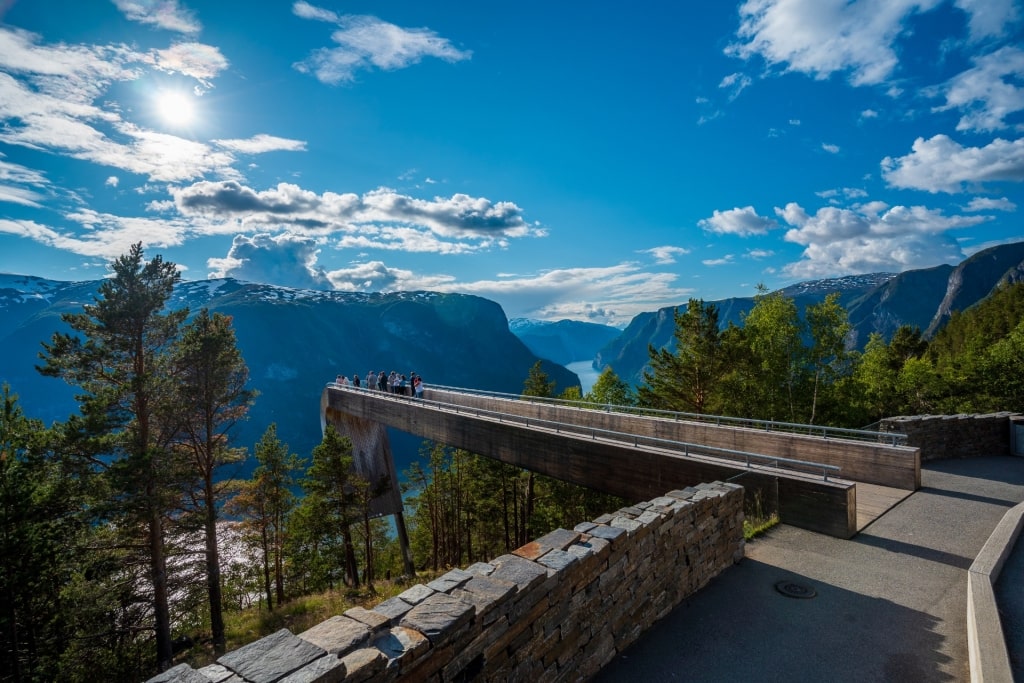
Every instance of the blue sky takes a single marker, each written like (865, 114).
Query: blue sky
(567, 160)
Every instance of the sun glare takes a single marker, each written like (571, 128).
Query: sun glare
(175, 108)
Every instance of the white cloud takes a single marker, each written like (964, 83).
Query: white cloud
(285, 259)
(724, 261)
(831, 149)
(261, 143)
(366, 43)
(47, 100)
(195, 60)
(665, 255)
(990, 204)
(872, 238)
(942, 165)
(165, 14)
(869, 114)
(735, 83)
(743, 222)
(308, 11)
(21, 195)
(822, 37)
(758, 254)
(611, 295)
(988, 18)
(112, 181)
(104, 236)
(381, 219)
(988, 92)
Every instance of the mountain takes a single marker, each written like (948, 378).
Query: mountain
(876, 303)
(293, 341)
(565, 341)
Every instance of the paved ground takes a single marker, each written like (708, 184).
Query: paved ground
(890, 604)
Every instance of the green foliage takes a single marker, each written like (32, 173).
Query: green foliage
(537, 383)
(466, 508)
(609, 389)
(321, 528)
(209, 398)
(263, 503)
(39, 524)
(118, 355)
(685, 379)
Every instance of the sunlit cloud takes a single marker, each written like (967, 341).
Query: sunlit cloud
(165, 14)
(261, 143)
(988, 92)
(872, 237)
(367, 43)
(381, 219)
(940, 164)
(742, 222)
(990, 204)
(665, 255)
(823, 37)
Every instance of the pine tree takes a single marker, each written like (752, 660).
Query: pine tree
(264, 503)
(210, 397)
(117, 356)
(684, 379)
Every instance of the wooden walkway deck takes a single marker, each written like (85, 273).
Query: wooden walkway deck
(873, 501)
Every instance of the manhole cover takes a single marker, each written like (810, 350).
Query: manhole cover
(792, 589)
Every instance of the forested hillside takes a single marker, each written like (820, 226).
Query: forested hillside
(876, 304)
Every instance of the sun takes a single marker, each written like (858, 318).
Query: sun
(175, 108)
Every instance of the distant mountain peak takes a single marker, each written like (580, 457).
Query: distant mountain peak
(838, 284)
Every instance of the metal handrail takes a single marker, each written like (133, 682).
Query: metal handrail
(825, 432)
(686, 448)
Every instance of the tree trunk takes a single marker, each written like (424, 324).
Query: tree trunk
(161, 609)
(213, 588)
(350, 557)
(266, 570)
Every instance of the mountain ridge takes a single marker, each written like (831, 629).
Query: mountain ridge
(876, 303)
(294, 341)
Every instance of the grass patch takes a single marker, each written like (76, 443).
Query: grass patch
(753, 528)
(297, 615)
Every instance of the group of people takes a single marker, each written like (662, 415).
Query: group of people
(393, 383)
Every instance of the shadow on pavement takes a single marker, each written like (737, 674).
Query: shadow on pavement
(740, 627)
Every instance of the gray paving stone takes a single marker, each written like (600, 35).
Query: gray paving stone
(338, 635)
(450, 580)
(401, 645)
(374, 620)
(438, 617)
(480, 568)
(608, 533)
(416, 594)
(523, 573)
(559, 538)
(557, 559)
(271, 658)
(215, 673)
(182, 673)
(393, 608)
(626, 523)
(327, 669)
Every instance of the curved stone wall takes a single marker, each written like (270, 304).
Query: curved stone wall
(560, 607)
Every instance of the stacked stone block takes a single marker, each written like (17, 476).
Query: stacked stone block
(954, 436)
(556, 609)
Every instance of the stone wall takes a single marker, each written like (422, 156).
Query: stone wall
(954, 436)
(559, 608)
